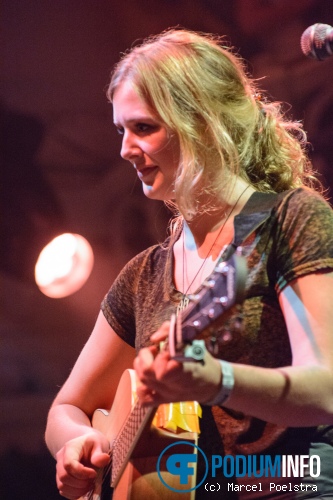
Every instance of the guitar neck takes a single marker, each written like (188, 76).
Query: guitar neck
(139, 418)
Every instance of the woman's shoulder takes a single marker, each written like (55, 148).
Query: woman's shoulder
(303, 202)
(305, 211)
(151, 257)
(302, 195)
(303, 235)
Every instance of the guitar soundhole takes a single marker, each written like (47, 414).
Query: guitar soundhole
(107, 491)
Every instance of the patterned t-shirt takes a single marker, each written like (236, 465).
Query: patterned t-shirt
(295, 240)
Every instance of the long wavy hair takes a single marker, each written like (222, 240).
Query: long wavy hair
(199, 88)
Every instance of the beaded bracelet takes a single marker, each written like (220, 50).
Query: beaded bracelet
(227, 385)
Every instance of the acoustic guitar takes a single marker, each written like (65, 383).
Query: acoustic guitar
(135, 443)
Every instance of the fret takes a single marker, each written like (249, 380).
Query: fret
(127, 439)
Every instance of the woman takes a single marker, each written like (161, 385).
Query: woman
(201, 139)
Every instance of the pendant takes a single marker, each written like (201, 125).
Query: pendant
(183, 304)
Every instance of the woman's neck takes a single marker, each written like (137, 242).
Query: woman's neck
(203, 238)
(204, 228)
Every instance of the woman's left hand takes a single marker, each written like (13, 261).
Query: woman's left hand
(164, 380)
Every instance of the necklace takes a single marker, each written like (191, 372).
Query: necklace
(185, 299)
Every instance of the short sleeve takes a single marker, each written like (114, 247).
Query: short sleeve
(118, 305)
(140, 298)
(304, 238)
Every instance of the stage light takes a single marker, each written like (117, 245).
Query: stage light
(64, 265)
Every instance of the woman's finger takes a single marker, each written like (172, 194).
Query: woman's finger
(162, 333)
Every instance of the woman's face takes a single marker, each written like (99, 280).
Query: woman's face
(146, 143)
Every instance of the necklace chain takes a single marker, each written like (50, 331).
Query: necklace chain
(185, 300)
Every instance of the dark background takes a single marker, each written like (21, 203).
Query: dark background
(61, 171)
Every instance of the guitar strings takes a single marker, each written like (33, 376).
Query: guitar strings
(133, 423)
(107, 472)
(101, 473)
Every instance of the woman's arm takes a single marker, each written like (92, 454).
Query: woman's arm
(92, 384)
(300, 395)
(297, 395)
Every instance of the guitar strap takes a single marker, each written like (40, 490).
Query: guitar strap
(257, 210)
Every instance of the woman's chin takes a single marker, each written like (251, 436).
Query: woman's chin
(154, 193)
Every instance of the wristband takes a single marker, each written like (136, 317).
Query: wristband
(227, 385)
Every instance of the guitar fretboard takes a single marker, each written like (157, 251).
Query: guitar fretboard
(127, 438)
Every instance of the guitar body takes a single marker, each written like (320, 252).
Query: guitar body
(135, 443)
(138, 478)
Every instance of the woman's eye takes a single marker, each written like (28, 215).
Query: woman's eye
(139, 128)
(144, 127)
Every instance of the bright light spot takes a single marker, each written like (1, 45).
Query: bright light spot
(64, 265)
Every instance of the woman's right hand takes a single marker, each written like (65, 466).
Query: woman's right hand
(77, 462)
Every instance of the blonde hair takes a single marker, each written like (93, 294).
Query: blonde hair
(201, 91)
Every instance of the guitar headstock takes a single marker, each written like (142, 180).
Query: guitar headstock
(210, 305)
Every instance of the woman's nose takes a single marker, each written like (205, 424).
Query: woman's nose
(130, 150)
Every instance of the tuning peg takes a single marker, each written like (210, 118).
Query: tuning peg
(221, 300)
(211, 313)
(196, 351)
(195, 297)
(209, 283)
(196, 323)
(222, 268)
(213, 346)
(227, 336)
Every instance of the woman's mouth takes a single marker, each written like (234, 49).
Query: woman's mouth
(145, 173)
